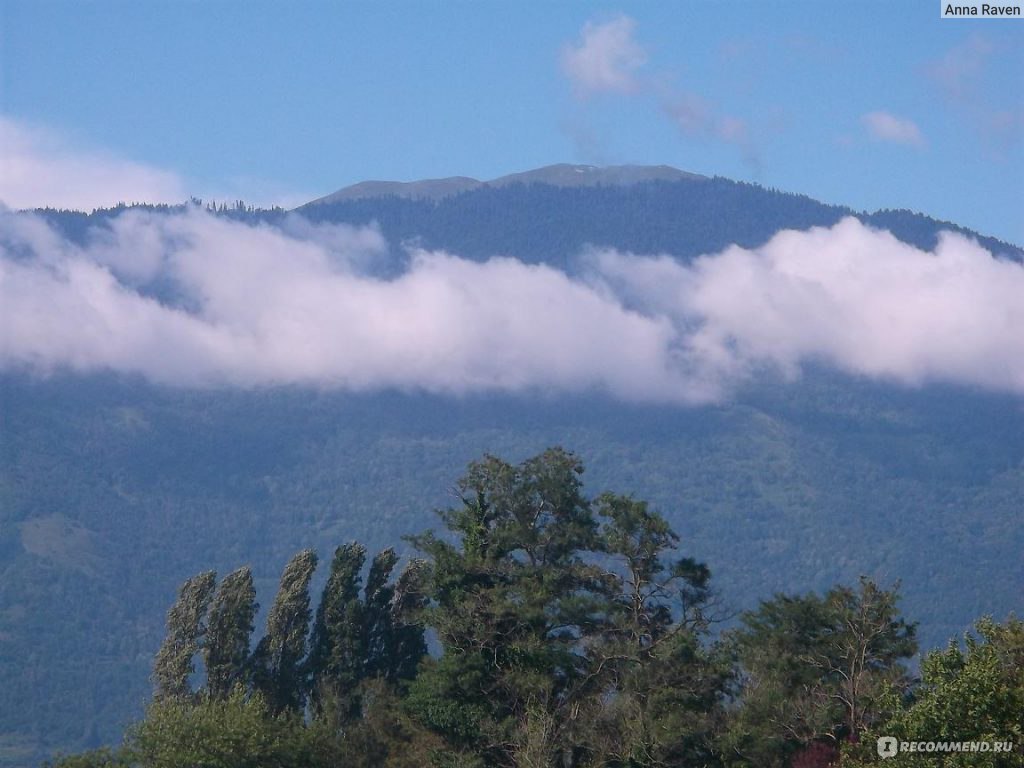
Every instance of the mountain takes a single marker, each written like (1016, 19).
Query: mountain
(427, 189)
(113, 490)
(560, 175)
(632, 208)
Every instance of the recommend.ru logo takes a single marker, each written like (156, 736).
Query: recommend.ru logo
(889, 746)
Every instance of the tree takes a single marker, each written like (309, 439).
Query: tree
(378, 629)
(815, 671)
(865, 652)
(238, 732)
(571, 634)
(378, 637)
(337, 650)
(278, 662)
(511, 601)
(103, 757)
(966, 694)
(186, 625)
(654, 693)
(228, 635)
(408, 604)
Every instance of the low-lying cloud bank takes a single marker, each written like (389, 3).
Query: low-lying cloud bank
(194, 300)
(40, 167)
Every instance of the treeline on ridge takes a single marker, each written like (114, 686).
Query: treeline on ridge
(567, 631)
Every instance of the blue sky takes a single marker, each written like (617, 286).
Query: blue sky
(870, 104)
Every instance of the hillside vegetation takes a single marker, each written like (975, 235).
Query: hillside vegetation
(571, 632)
(114, 490)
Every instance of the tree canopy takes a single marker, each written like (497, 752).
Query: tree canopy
(571, 631)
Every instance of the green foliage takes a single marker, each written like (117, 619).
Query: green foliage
(96, 758)
(278, 659)
(239, 732)
(572, 635)
(111, 490)
(384, 735)
(354, 641)
(816, 670)
(377, 621)
(512, 600)
(659, 687)
(568, 635)
(338, 649)
(228, 634)
(408, 645)
(186, 626)
(971, 694)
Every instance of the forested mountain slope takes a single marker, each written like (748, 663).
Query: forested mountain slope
(114, 490)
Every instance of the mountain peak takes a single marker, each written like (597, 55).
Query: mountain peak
(559, 175)
(566, 175)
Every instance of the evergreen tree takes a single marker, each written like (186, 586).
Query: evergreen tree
(654, 693)
(514, 602)
(185, 627)
(228, 635)
(279, 658)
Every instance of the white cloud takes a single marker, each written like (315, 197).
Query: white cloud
(193, 300)
(849, 296)
(885, 126)
(605, 59)
(39, 168)
(270, 306)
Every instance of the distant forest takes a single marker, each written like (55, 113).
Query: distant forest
(568, 631)
(540, 223)
(113, 490)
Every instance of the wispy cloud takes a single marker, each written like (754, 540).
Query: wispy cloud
(958, 72)
(193, 300)
(885, 126)
(39, 168)
(964, 77)
(605, 59)
(699, 119)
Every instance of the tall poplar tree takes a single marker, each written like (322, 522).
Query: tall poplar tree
(378, 625)
(337, 649)
(278, 663)
(228, 633)
(185, 627)
(408, 603)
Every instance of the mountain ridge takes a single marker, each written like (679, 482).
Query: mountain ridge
(558, 175)
(787, 486)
